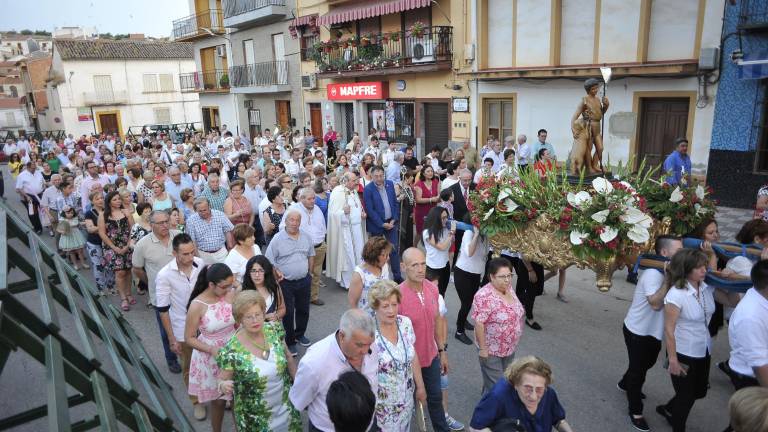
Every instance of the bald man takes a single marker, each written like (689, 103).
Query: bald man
(420, 302)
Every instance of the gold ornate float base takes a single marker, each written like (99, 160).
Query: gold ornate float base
(541, 241)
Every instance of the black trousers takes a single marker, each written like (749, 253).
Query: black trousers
(525, 290)
(296, 294)
(34, 218)
(467, 285)
(643, 352)
(688, 388)
(457, 243)
(443, 277)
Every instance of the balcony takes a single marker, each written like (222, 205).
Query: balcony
(385, 53)
(753, 16)
(191, 27)
(267, 77)
(246, 13)
(210, 81)
(105, 98)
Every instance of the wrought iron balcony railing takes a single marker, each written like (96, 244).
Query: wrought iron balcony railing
(271, 73)
(237, 7)
(208, 80)
(193, 25)
(105, 97)
(432, 45)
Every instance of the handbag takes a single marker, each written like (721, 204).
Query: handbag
(421, 421)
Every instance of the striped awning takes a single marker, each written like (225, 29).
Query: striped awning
(309, 20)
(367, 9)
(754, 65)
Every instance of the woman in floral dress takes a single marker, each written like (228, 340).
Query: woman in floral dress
(255, 366)
(208, 328)
(399, 370)
(114, 225)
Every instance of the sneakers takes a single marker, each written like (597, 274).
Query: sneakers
(200, 412)
(620, 386)
(664, 412)
(639, 423)
(304, 341)
(317, 302)
(293, 350)
(174, 368)
(453, 424)
(534, 325)
(461, 337)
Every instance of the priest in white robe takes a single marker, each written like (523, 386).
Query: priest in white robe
(346, 230)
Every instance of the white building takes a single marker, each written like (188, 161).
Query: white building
(75, 33)
(533, 57)
(14, 116)
(17, 44)
(111, 86)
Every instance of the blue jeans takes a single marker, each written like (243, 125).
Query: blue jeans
(170, 356)
(394, 256)
(296, 294)
(433, 386)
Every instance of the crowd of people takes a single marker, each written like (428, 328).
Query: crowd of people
(229, 238)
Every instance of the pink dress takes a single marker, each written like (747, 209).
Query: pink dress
(420, 210)
(216, 328)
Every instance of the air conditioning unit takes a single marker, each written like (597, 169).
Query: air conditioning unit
(421, 50)
(221, 51)
(248, 103)
(309, 82)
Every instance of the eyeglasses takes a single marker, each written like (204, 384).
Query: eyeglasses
(252, 318)
(505, 277)
(256, 271)
(165, 222)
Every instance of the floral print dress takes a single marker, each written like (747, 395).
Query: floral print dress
(394, 399)
(216, 328)
(119, 232)
(261, 386)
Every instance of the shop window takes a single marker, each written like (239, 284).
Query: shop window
(404, 124)
(498, 119)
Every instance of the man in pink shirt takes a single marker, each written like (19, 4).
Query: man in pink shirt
(420, 303)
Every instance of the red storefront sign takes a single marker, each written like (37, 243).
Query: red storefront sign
(359, 90)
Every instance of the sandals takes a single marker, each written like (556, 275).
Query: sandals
(131, 300)
(141, 291)
(125, 306)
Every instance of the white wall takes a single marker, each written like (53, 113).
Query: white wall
(500, 31)
(672, 20)
(228, 105)
(21, 120)
(550, 105)
(577, 33)
(533, 24)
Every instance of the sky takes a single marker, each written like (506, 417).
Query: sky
(151, 17)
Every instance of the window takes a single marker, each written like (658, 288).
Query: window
(150, 83)
(166, 82)
(10, 119)
(162, 115)
(498, 119)
(308, 39)
(404, 123)
(154, 83)
(248, 54)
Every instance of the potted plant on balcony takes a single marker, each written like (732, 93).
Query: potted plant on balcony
(365, 39)
(417, 29)
(395, 36)
(224, 81)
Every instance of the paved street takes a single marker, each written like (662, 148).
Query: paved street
(582, 341)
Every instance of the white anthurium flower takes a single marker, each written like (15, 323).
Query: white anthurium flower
(600, 216)
(700, 209)
(510, 205)
(677, 195)
(579, 199)
(634, 216)
(506, 192)
(700, 192)
(487, 215)
(602, 185)
(608, 234)
(627, 185)
(638, 234)
(577, 237)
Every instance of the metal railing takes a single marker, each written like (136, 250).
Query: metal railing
(105, 97)
(192, 25)
(210, 80)
(384, 50)
(177, 131)
(259, 74)
(94, 368)
(237, 7)
(753, 15)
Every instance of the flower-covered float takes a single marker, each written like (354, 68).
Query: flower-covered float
(601, 223)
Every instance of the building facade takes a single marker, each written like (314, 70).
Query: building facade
(738, 157)
(390, 66)
(531, 59)
(110, 86)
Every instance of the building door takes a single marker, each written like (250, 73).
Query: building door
(316, 120)
(108, 123)
(436, 126)
(283, 110)
(661, 121)
(348, 123)
(208, 63)
(210, 118)
(254, 122)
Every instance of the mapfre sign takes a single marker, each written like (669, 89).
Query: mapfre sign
(356, 91)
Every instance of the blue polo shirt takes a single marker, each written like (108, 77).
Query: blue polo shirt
(674, 164)
(502, 402)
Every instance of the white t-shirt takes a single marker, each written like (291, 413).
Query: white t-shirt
(641, 319)
(476, 263)
(237, 262)
(691, 332)
(436, 259)
(748, 334)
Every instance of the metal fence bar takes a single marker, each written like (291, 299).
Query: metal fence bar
(237, 7)
(58, 409)
(260, 74)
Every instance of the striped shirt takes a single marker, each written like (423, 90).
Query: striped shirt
(209, 235)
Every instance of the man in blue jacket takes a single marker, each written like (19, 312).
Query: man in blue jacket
(383, 214)
(678, 163)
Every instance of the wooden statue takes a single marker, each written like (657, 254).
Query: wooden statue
(585, 125)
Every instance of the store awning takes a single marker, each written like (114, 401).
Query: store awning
(754, 65)
(367, 9)
(309, 20)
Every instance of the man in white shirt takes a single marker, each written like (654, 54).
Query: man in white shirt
(389, 154)
(294, 166)
(349, 348)
(23, 144)
(643, 330)
(30, 185)
(92, 177)
(523, 152)
(173, 287)
(496, 155)
(313, 225)
(373, 149)
(10, 147)
(748, 333)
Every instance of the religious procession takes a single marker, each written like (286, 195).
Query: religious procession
(355, 234)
